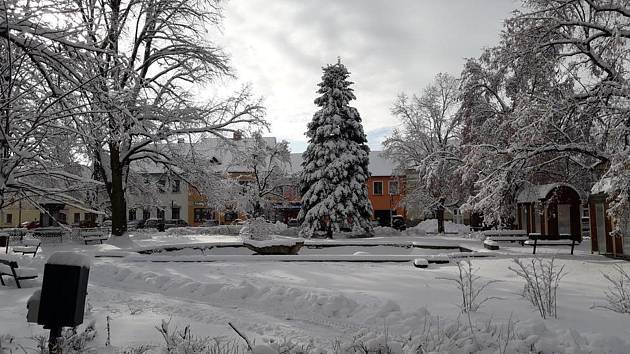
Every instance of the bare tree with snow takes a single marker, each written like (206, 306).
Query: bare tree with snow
(38, 157)
(148, 56)
(428, 142)
(549, 102)
(266, 164)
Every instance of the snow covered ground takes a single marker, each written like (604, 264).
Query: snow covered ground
(321, 302)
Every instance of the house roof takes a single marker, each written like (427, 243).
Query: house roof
(533, 193)
(217, 149)
(379, 164)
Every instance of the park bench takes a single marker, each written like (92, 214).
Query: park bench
(536, 239)
(25, 246)
(28, 246)
(10, 268)
(506, 235)
(45, 233)
(491, 237)
(93, 235)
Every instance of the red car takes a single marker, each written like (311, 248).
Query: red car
(30, 225)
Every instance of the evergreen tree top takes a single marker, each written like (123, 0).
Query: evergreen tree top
(335, 86)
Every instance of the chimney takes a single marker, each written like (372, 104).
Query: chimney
(237, 135)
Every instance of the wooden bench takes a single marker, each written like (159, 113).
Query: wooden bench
(536, 239)
(28, 246)
(93, 235)
(519, 236)
(44, 233)
(11, 269)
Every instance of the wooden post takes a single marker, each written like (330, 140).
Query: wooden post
(53, 340)
(535, 243)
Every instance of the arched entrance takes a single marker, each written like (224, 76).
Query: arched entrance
(551, 210)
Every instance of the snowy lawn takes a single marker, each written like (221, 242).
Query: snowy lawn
(323, 301)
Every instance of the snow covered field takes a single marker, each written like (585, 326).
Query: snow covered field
(322, 302)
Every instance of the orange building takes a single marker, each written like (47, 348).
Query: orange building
(385, 193)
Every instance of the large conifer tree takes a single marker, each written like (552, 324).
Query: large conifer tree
(335, 167)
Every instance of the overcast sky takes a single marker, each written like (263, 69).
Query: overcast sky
(389, 47)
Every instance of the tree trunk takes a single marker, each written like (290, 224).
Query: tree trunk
(440, 216)
(117, 195)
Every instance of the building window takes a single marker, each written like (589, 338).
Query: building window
(9, 218)
(162, 186)
(146, 214)
(176, 186)
(132, 214)
(377, 188)
(393, 188)
(76, 218)
(175, 213)
(160, 214)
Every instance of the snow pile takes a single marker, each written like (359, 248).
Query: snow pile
(259, 229)
(277, 300)
(388, 231)
(430, 226)
(204, 230)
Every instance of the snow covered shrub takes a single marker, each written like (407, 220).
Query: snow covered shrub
(138, 349)
(258, 229)
(184, 342)
(618, 293)
(70, 342)
(542, 279)
(470, 286)
(77, 342)
(8, 345)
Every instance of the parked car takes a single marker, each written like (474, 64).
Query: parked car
(135, 224)
(29, 225)
(211, 222)
(152, 223)
(87, 224)
(175, 223)
(398, 222)
(293, 223)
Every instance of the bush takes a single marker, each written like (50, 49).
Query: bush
(542, 279)
(618, 293)
(470, 287)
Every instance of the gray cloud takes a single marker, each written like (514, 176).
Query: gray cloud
(389, 46)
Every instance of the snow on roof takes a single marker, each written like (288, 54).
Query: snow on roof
(533, 193)
(602, 186)
(379, 165)
(70, 259)
(219, 149)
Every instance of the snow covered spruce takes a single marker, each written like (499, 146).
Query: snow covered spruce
(335, 166)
